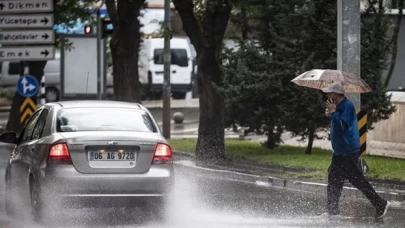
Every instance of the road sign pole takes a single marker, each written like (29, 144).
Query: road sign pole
(167, 62)
(26, 22)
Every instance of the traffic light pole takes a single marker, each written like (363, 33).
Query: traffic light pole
(167, 62)
(99, 34)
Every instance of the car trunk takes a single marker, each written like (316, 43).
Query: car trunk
(111, 152)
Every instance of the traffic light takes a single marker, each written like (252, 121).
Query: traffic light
(88, 29)
(106, 27)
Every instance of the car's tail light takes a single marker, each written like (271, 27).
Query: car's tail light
(59, 154)
(163, 154)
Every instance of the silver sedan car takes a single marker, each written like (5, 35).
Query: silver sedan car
(88, 153)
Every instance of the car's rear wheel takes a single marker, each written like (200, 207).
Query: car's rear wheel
(37, 213)
(15, 204)
(9, 206)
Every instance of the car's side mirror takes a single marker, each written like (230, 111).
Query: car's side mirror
(9, 137)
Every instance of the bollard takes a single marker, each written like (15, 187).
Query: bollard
(178, 117)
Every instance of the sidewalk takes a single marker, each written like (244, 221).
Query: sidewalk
(258, 173)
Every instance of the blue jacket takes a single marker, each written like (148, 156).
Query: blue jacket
(344, 132)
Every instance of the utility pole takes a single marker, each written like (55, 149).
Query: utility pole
(99, 33)
(167, 62)
(348, 41)
(348, 56)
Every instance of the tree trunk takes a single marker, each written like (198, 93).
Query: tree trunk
(311, 138)
(124, 44)
(36, 69)
(207, 40)
(271, 142)
(210, 143)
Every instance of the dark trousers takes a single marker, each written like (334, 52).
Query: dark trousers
(346, 167)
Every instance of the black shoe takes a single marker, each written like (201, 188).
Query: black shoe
(383, 211)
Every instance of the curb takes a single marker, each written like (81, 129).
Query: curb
(175, 104)
(397, 199)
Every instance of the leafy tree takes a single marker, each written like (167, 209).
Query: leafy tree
(253, 94)
(293, 37)
(288, 35)
(375, 50)
(205, 25)
(124, 44)
(309, 27)
(65, 13)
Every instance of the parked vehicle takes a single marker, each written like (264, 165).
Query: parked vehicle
(151, 67)
(10, 72)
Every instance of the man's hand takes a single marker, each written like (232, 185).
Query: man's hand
(330, 106)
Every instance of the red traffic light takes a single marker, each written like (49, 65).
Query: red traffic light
(88, 29)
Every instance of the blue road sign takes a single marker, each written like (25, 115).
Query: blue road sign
(27, 85)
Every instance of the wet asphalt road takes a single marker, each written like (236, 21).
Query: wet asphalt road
(201, 201)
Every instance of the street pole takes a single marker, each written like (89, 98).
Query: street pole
(99, 32)
(348, 41)
(348, 56)
(167, 62)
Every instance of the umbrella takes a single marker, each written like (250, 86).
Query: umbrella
(319, 79)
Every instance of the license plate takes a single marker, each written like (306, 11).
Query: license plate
(111, 156)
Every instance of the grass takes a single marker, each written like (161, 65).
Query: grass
(317, 163)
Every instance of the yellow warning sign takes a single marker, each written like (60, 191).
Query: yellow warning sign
(27, 108)
(362, 124)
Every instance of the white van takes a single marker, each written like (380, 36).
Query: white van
(151, 65)
(10, 72)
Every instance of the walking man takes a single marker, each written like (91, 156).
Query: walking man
(344, 134)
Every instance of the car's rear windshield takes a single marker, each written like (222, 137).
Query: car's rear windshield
(104, 119)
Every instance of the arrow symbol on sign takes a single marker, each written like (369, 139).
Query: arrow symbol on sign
(27, 86)
(1, 6)
(45, 36)
(45, 20)
(45, 53)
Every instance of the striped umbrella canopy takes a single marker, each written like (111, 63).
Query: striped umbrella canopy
(322, 78)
